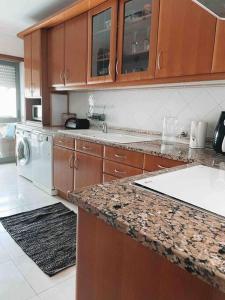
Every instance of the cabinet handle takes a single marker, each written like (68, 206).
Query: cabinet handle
(76, 164)
(159, 61)
(161, 167)
(71, 162)
(109, 69)
(62, 76)
(86, 148)
(120, 172)
(69, 192)
(120, 156)
(67, 75)
(117, 71)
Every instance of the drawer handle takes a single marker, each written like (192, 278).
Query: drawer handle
(76, 164)
(120, 156)
(120, 172)
(71, 163)
(86, 148)
(161, 167)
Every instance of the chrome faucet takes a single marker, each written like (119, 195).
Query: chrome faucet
(104, 127)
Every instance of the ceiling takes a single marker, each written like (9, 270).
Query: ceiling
(16, 15)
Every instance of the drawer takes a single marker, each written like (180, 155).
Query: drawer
(119, 170)
(66, 142)
(127, 157)
(89, 148)
(155, 163)
(108, 178)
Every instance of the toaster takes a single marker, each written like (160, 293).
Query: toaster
(74, 123)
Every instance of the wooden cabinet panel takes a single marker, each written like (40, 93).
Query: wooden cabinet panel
(89, 148)
(219, 50)
(185, 39)
(76, 50)
(88, 170)
(102, 31)
(63, 169)
(127, 157)
(108, 178)
(137, 39)
(28, 65)
(66, 142)
(118, 170)
(113, 266)
(56, 56)
(36, 64)
(155, 163)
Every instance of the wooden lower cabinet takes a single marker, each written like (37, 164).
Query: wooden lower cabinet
(63, 170)
(88, 170)
(108, 178)
(112, 266)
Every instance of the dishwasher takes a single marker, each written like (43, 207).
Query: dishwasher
(42, 162)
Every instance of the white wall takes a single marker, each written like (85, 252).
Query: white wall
(11, 45)
(145, 108)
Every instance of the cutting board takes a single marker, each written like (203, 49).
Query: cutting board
(200, 186)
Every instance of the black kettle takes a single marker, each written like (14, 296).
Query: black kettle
(219, 135)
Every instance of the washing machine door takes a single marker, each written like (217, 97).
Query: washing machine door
(23, 152)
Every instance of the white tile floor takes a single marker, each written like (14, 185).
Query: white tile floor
(20, 278)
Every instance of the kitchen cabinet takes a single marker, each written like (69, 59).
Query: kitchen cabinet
(76, 51)
(33, 60)
(219, 49)
(63, 170)
(113, 266)
(155, 163)
(56, 55)
(102, 30)
(137, 39)
(88, 170)
(67, 53)
(186, 39)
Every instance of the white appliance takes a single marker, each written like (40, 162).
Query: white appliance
(37, 112)
(24, 153)
(42, 160)
(200, 186)
(198, 134)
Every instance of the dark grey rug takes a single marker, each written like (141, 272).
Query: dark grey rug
(47, 235)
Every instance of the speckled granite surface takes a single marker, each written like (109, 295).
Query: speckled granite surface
(191, 238)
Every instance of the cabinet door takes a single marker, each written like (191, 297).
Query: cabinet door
(88, 170)
(36, 64)
(102, 29)
(185, 40)
(219, 50)
(63, 169)
(137, 40)
(28, 65)
(56, 59)
(76, 50)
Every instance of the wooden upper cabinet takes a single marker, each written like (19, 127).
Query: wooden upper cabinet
(34, 47)
(36, 64)
(185, 39)
(56, 55)
(76, 50)
(102, 32)
(137, 39)
(219, 50)
(28, 65)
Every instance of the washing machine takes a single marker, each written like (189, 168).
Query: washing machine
(24, 153)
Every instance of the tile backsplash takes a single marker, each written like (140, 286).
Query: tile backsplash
(145, 108)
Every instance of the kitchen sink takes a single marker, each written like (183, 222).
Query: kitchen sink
(113, 137)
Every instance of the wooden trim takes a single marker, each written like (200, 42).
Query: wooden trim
(11, 58)
(208, 10)
(150, 72)
(73, 10)
(113, 4)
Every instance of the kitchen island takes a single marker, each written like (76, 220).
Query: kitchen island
(136, 244)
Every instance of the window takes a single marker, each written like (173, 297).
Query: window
(9, 92)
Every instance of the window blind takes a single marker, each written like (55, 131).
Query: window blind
(7, 76)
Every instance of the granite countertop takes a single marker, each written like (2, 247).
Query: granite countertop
(189, 237)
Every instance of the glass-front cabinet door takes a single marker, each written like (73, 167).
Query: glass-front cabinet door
(137, 39)
(102, 42)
